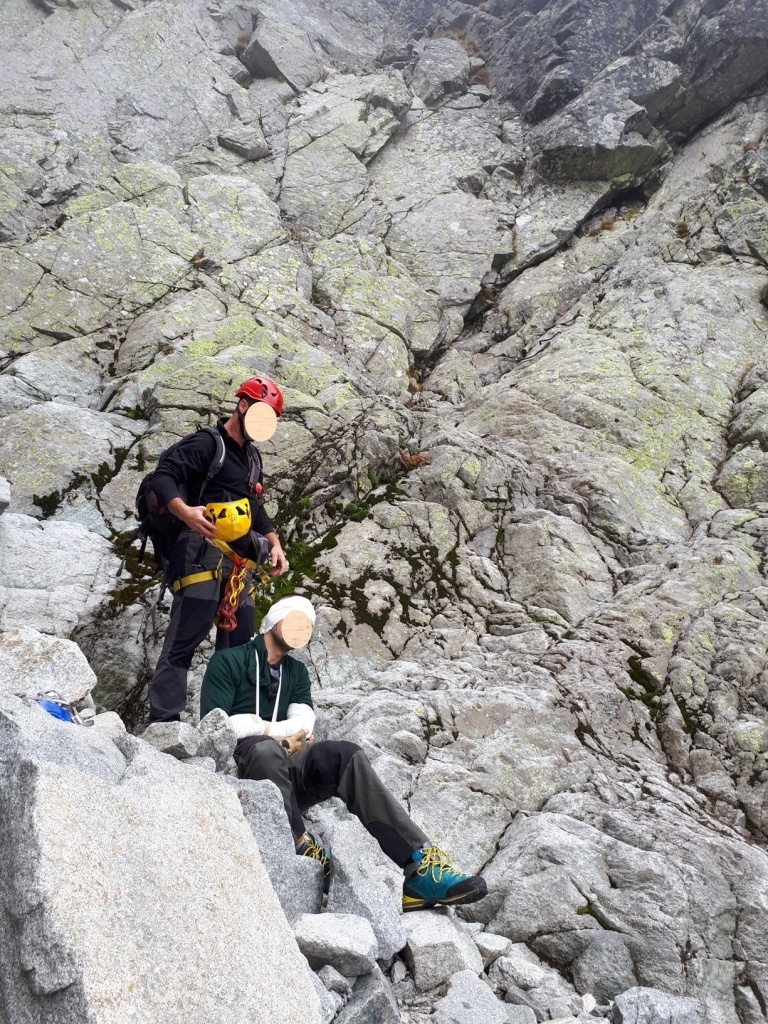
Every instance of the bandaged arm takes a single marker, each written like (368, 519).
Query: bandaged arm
(299, 716)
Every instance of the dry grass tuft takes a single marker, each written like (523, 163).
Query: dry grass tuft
(414, 461)
(682, 230)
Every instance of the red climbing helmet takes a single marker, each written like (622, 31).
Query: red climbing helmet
(262, 389)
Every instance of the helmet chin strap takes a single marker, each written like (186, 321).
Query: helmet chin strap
(241, 421)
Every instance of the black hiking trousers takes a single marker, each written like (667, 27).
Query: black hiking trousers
(192, 614)
(329, 768)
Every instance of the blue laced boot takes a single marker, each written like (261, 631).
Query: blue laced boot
(431, 880)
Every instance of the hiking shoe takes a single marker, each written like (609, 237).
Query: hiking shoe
(431, 879)
(311, 848)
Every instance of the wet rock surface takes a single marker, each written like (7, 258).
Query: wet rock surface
(508, 263)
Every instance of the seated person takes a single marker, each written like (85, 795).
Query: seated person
(266, 694)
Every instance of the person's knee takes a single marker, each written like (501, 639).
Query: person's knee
(341, 750)
(264, 759)
(328, 760)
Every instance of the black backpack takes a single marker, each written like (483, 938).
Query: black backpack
(156, 523)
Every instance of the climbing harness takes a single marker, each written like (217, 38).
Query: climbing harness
(196, 577)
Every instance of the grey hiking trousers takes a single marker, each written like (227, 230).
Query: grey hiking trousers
(192, 614)
(331, 768)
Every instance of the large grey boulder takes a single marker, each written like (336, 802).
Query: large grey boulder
(469, 1001)
(54, 576)
(28, 732)
(345, 941)
(491, 946)
(178, 739)
(604, 968)
(298, 881)
(606, 133)
(524, 980)
(278, 49)
(357, 887)
(232, 217)
(649, 1006)
(372, 1002)
(442, 68)
(437, 949)
(218, 739)
(72, 371)
(104, 909)
(324, 190)
(33, 662)
(87, 444)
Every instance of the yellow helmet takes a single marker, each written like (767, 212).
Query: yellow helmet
(232, 519)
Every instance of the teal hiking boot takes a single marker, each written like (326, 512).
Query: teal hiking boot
(431, 880)
(311, 848)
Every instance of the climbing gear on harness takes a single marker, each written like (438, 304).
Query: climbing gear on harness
(311, 848)
(226, 615)
(431, 879)
(262, 389)
(232, 519)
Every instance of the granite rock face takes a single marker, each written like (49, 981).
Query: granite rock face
(508, 262)
(106, 911)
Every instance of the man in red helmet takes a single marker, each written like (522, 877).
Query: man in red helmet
(195, 572)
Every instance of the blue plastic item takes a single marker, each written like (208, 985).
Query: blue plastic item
(56, 710)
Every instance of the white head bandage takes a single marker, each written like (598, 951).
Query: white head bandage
(284, 607)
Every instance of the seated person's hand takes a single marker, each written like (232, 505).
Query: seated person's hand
(294, 742)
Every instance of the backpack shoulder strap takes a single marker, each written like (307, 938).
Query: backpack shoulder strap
(256, 455)
(216, 462)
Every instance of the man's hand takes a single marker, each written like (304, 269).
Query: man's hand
(277, 557)
(192, 517)
(294, 742)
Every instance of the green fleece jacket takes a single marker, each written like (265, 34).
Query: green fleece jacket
(230, 683)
